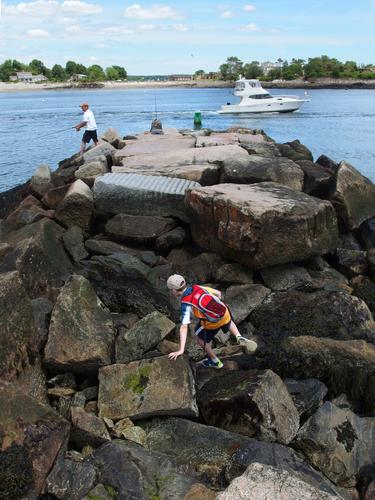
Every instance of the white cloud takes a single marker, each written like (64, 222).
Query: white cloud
(77, 7)
(146, 27)
(249, 8)
(93, 58)
(66, 20)
(116, 30)
(38, 33)
(74, 28)
(227, 14)
(251, 27)
(157, 12)
(180, 27)
(37, 8)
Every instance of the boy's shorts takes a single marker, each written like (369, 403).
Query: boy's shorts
(206, 334)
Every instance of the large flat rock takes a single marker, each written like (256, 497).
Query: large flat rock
(213, 154)
(141, 194)
(261, 225)
(206, 174)
(151, 144)
(147, 388)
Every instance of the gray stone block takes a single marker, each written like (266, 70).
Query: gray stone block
(142, 194)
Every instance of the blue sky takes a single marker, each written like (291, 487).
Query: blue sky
(180, 37)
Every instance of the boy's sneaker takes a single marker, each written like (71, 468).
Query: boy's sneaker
(208, 363)
(249, 345)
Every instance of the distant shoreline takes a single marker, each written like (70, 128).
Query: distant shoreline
(318, 83)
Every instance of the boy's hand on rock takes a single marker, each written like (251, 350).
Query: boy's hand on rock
(174, 355)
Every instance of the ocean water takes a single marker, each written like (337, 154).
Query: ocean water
(338, 123)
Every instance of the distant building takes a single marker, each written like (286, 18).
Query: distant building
(267, 66)
(27, 77)
(213, 75)
(76, 77)
(181, 78)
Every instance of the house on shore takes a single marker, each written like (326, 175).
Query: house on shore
(181, 78)
(76, 77)
(27, 77)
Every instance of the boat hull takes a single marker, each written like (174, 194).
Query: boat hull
(273, 107)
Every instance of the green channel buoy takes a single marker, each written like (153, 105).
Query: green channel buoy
(197, 119)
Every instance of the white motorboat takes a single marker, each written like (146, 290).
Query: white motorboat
(255, 99)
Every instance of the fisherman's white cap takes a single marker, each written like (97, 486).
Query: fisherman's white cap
(176, 282)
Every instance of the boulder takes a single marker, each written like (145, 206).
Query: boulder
(338, 442)
(81, 333)
(353, 196)
(351, 262)
(265, 149)
(33, 431)
(217, 139)
(91, 169)
(325, 276)
(6, 227)
(142, 389)
(129, 471)
(142, 337)
(28, 211)
(41, 181)
(19, 336)
(106, 247)
(336, 363)
(318, 180)
(153, 145)
(54, 196)
(295, 151)
(199, 269)
(234, 274)
(256, 169)
(364, 288)
(76, 207)
(334, 314)
(243, 299)
(39, 257)
(206, 174)
(216, 154)
(130, 193)
(307, 395)
(172, 239)
(285, 277)
(102, 149)
(328, 163)
(216, 454)
(112, 136)
(71, 479)
(260, 482)
(42, 309)
(33, 381)
(138, 287)
(87, 429)
(74, 244)
(261, 225)
(9, 200)
(255, 403)
(138, 229)
(367, 233)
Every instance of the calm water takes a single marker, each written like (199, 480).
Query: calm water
(338, 123)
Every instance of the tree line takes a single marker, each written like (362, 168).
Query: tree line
(60, 73)
(315, 67)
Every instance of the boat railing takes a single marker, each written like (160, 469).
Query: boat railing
(290, 96)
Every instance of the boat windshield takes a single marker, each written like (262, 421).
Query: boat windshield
(261, 96)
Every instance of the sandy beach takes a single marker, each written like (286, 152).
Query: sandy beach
(28, 87)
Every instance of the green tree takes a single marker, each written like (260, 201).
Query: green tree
(112, 73)
(9, 67)
(37, 67)
(58, 73)
(252, 70)
(231, 69)
(71, 68)
(95, 73)
(293, 70)
(121, 72)
(199, 73)
(275, 74)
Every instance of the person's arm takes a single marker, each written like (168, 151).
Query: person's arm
(183, 335)
(80, 125)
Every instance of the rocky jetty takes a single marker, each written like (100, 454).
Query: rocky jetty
(90, 405)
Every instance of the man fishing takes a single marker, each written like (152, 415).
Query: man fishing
(213, 315)
(89, 124)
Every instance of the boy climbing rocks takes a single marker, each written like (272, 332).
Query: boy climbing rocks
(205, 304)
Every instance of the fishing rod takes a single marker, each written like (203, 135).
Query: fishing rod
(55, 132)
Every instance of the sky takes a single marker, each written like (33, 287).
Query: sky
(184, 36)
